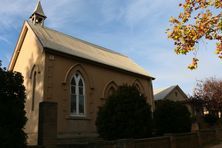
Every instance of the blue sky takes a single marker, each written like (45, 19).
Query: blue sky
(135, 28)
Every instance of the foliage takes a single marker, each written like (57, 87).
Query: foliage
(124, 115)
(171, 117)
(209, 90)
(193, 119)
(196, 103)
(200, 19)
(12, 114)
(211, 119)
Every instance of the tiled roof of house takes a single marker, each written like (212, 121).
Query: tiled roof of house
(63, 43)
(160, 94)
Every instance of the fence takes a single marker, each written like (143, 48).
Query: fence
(48, 136)
(191, 140)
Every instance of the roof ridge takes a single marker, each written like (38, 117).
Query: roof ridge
(72, 45)
(161, 90)
(86, 42)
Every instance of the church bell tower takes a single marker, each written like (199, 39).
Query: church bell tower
(38, 16)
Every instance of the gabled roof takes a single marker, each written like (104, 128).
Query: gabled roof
(160, 94)
(59, 42)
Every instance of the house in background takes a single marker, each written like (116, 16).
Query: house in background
(173, 93)
(67, 79)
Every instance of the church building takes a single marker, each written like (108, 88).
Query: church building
(75, 75)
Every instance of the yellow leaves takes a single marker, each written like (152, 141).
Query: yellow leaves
(218, 4)
(220, 25)
(194, 64)
(173, 20)
(219, 49)
(194, 37)
(186, 31)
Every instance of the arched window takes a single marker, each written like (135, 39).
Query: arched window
(137, 86)
(110, 91)
(33, 90)
(110, 88)
(77, 92)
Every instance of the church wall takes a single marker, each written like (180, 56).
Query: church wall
(96, 77)
(47, 77)
(30, 61)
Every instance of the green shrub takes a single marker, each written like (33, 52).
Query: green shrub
(124, 115)
(171, 117)
(12, 114)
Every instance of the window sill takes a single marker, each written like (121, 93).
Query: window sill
(77, 118)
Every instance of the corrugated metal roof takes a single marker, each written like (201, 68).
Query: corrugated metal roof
(160, 94)
(66, 44)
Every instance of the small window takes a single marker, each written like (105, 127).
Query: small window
(176, 94)
(77, 92)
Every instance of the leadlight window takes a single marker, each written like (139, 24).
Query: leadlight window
(77, 89)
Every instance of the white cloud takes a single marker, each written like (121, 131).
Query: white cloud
(11, 11)
(141, 11)
(111, 11)
(138, 10)
(61, 13)
(172, 69)
(4, 39)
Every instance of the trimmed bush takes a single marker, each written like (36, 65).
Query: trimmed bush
(211, 119)
(124, 115)
(171, 117)
(12, 114)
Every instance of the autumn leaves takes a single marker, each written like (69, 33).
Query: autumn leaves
(200, 19)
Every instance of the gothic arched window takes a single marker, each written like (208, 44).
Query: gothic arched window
(77, 95)
(110, 88)
(110, 91)
(33, 90)
(137, 86)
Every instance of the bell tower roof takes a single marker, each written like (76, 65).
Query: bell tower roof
(38, 10)
(38, 15)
